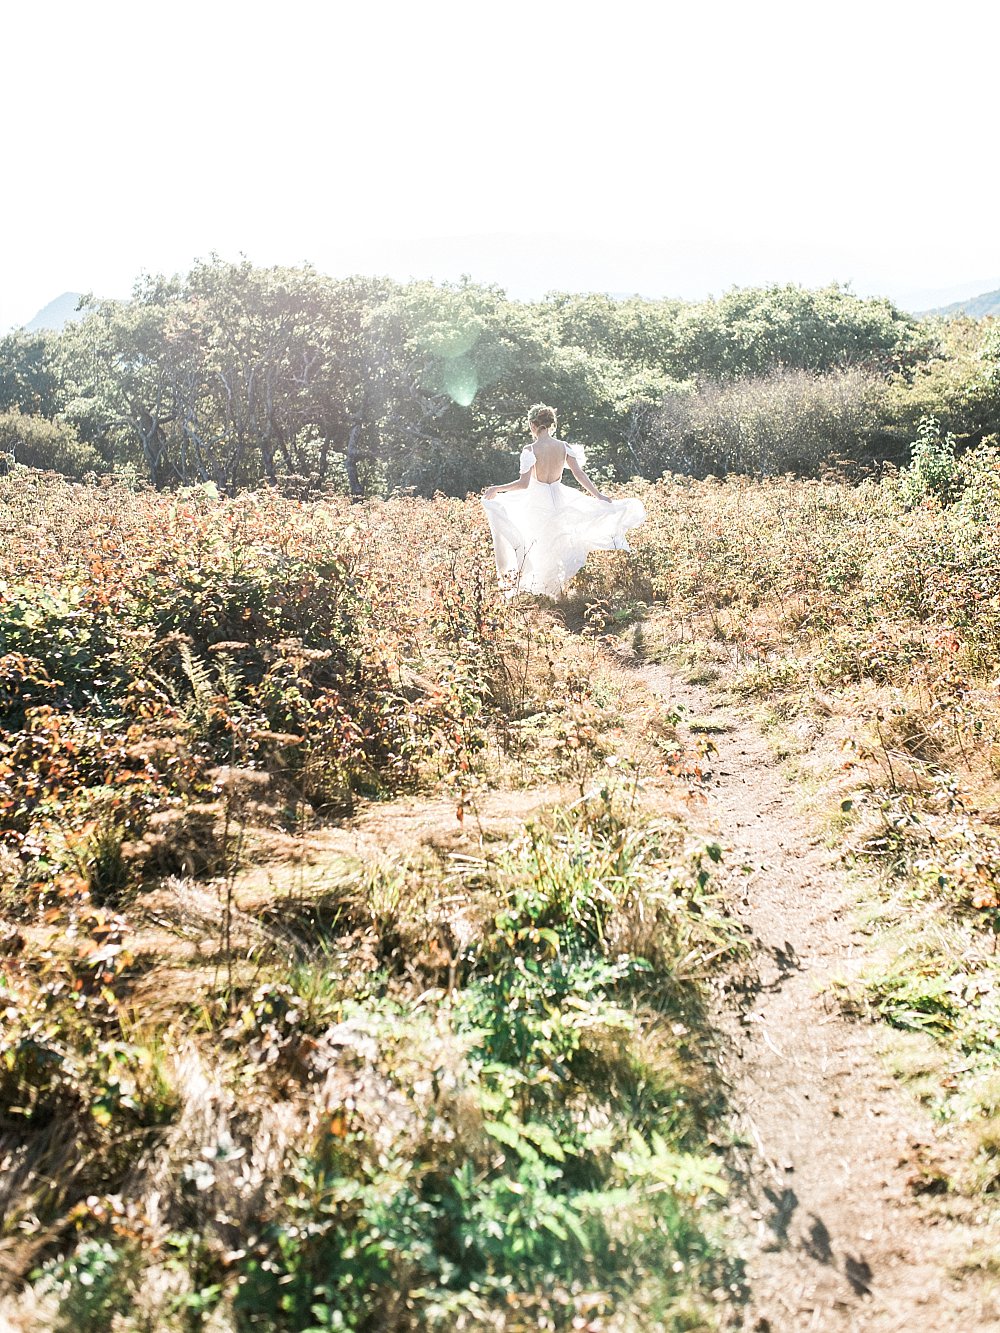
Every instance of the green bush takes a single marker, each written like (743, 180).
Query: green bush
(979, 475)
(93, 1285)
(329, 1262)
(942, 386)
(59, 631)
(50, 446)
(933, 471)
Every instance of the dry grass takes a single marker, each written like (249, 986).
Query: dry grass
(303, 989)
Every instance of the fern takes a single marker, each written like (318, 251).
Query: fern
(197, 709)
(230, 676)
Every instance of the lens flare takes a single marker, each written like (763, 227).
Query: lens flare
(460, 382)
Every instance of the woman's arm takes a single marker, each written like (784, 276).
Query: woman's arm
(520, 485)
(584, 480)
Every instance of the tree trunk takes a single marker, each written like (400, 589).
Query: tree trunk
(154, 444)
(351, 459)
(267, 456)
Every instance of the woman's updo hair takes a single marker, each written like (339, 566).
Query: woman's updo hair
(543, 417)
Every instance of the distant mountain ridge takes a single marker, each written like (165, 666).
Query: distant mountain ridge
(977, 307)
(57, 314)
(63, 310)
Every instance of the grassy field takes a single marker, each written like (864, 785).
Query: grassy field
(357, 948)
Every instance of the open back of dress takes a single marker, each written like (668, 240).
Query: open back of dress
(543, 535)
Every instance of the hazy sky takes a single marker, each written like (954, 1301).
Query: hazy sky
(670, 148)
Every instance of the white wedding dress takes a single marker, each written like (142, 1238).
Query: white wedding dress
(542, 535)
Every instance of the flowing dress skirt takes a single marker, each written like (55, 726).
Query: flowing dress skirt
(542, 535)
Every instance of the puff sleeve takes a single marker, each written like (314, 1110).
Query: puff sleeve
(577, 451)
(527, 459)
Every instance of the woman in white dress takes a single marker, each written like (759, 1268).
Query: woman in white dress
(543, 530)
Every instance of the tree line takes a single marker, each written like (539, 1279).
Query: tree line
(236, 374)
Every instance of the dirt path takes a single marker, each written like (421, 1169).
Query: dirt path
(835, 1151)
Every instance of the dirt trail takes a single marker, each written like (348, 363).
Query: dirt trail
(835, 1150)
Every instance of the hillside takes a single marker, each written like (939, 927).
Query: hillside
(383, 954)
(978, 307)
(57, 314)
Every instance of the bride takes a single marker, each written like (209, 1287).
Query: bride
(543, 530)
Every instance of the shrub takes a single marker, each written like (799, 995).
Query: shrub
(68, 640)
(979, 475)
(945, 386)
(91, 1286)
(984, 391)
(51, 446)
(786, 421)
(934, 469)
